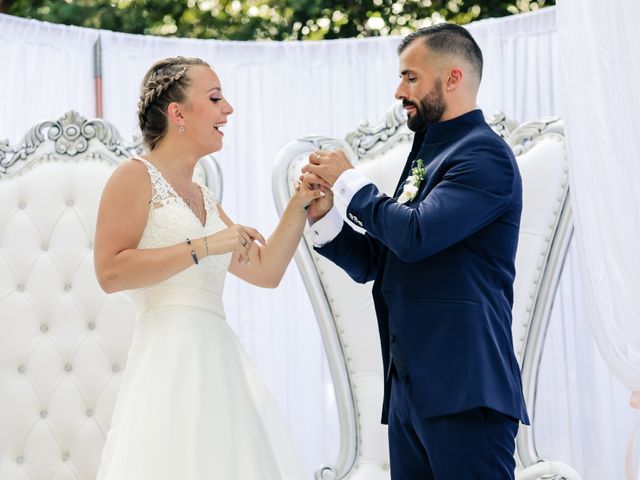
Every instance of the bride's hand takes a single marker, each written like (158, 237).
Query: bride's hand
(318, 207)
(308, 192)
(236, 239)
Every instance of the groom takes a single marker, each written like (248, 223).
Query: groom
(441, 253)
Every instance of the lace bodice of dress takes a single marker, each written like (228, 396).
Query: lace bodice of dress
(171, 222)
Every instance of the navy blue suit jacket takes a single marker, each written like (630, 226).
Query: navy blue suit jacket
(443, 270)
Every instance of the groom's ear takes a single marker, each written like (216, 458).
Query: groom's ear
(454, 79)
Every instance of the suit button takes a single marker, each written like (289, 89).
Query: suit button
(392, 338)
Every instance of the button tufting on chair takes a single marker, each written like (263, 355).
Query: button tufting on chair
(50, 328)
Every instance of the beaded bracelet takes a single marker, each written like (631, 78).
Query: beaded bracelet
(193, 253)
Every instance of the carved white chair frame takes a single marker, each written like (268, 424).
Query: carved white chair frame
(72, 136)
(531, 314)
(63, 344)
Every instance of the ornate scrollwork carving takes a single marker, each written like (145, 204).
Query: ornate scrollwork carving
(71, 135)
(373, 140)
(326, 472)
(502, 125)
(523, 138)
(369, 140)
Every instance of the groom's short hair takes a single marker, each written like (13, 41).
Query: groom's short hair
(448, 39)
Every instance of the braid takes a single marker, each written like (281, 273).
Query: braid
(164, 83)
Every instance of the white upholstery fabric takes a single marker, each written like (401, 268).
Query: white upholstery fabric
(345, 309)
(63, 342)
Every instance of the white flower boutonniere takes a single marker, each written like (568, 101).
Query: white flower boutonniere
(413, 181)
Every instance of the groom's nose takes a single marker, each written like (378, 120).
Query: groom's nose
(401, 94)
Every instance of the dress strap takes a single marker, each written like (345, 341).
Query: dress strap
(162, 192)
(146, 162)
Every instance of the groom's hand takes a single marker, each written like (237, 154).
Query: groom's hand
(319, 207)
(328, 165)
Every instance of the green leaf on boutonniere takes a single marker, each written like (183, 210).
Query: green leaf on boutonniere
(413, 181)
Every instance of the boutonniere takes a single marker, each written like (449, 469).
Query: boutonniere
(412, 183)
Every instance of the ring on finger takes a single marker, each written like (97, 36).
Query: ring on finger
(244, 242)
(317, 156)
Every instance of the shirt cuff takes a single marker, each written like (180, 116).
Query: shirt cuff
(348, 184)
(327, 228)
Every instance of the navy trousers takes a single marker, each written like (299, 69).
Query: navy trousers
(477, 444)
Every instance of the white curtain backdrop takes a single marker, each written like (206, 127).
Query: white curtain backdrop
(281, 91)
(599, 44)
(48, 69)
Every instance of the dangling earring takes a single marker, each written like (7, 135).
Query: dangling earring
(181, 130)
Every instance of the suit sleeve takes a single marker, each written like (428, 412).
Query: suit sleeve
(475, 189)
(355, 253)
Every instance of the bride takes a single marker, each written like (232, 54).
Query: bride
(190, 406)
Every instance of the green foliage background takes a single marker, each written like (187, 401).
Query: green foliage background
(261, 20)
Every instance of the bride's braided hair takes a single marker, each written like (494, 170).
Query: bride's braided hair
(164, 83)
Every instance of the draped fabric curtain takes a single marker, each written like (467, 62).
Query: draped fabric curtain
(599, 44)
(47, 70)
(281, 91)
(600, 67)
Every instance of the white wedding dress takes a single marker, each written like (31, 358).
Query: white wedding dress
(191, 406)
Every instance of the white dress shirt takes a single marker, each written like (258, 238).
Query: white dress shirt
(346, 186)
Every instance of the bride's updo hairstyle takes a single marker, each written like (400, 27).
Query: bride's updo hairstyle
(164, 83)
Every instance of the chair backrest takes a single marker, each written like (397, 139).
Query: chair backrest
(63, 342)
(345, 311)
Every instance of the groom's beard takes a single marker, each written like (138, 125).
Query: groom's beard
(430, 109)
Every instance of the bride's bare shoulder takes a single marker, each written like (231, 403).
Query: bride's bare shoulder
(131, 178)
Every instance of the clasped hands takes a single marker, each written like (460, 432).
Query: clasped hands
(321, 173)
(313, 194)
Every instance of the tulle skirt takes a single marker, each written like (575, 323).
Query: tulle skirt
(191, 406)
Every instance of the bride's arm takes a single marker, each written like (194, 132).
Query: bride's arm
(268, 261)
(122, 217)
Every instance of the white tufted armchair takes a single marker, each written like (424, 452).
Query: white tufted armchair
(63, 342)
(345, 311)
